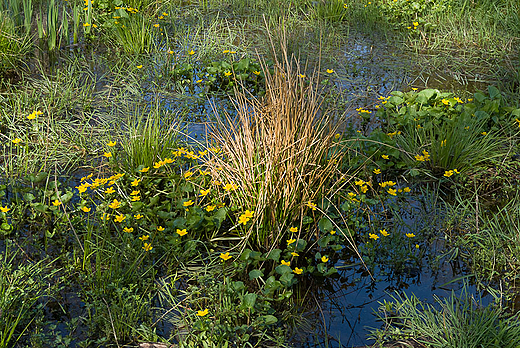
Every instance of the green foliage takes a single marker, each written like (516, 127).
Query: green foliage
(13, 46)
(329, 10)
(455, 322)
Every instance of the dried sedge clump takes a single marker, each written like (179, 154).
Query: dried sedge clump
(279, 150)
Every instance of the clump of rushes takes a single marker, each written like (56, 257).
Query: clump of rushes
(279, 151)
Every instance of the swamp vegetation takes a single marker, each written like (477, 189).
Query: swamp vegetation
(271, 173)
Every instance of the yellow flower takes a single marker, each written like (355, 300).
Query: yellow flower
(105, 216)
(301, 76)
(156, 25)
(112, 143)
(484, 133)
(384, 233)
(290, 241)
(287, 263)
(448, 173)
(298, 270)
(188, 175)
(120, 218)
(181, 232)
(248, 214)
(135, 182)
(410, 235)
(332, 232)
(107, 154)
(168, 160)
(345, 6)
(135, 193)
(188, 203)
(385, 156)
(373, 236)
(243, 219)
(456, 171)
(294, 254)
(377, 171)
(324, 259)
(364, 189)
(407, 189)
(202, 313)
(144, 170)
(115, 204)
(225, 256)
(81, 188)
(135, 198)
(147, 246)
(16, 141)
(204, 192)
(330, 71)
(56, 203)
(225, 51)
(86, 24)
(144, 237)
(160, 228)
(256, 72)
(210, 208)
(293, 229)
(311, 205)
(230, 187)
(393, 192)
(32, 116)
(4, 209)
(138, 216)
(192, 52)
(227, 73)
(139, 66)
(415, 24)
(86, 209)
(110, 190)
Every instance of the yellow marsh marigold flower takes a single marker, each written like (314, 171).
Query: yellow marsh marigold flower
(204, 192)
(115, 204)
(333, 232)
(112, 143)
(230, 187)
(227, 73)
(407, 189)
(135, 192)
(188, 175)
(160, 228)
(393, 192)
(181, 232)
(107, 154)
(385, 157)
(135, 182)
(128, 229)
(377, 171)
(225, 256)
(168, 160)
(138, 216)
(210, 208)
(225, 51)
(202, 313)
(156, 25)
(384, 233)
(287, 263)
(294, 254)
(330, 71)
(298, 270)
(188, 203)
(256, 72)
(364, 189)
(4, 209)
(293, 229)
(86, 209)
(192, 52)
(144, 237)
(110, 190)
(81, 188)
(56, 203)
(359, 182)
(135, 198)
(410, 235)
(120, 218)
(147, 246)
(105, 216)
(448, 173)
(139, 66)
(324, 259)
(158, 165)
(373, 236)
(16, 141)
(243, 219)
(311, 205)
(144, 170)
(290, 241)
(456, 171)
(248, 214)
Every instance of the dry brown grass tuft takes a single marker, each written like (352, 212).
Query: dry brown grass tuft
(280, 151)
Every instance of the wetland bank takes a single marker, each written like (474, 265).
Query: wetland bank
(230, 173)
